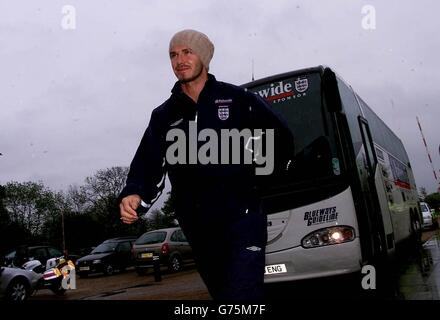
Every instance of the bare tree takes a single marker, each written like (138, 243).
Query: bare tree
(77, 199)
(106, 183)
(29, 204)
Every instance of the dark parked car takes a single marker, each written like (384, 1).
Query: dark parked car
(26, 253)
(170, 245)
(110, 255)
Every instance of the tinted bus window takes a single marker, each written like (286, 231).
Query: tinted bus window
(400, 173)
(298, 99)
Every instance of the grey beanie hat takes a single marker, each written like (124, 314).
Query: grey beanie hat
(197, 41)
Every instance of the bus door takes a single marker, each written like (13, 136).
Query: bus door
(371, 196)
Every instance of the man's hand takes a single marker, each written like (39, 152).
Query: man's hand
(128, 207)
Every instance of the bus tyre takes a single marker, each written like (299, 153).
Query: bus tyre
(416, 233)
(386, 280)
(387, 284)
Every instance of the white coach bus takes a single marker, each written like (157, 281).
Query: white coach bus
(351, 199)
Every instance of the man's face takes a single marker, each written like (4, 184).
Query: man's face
(187, 66)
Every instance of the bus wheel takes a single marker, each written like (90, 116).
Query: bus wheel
(416, 233)
(387, 281)
(386, 277)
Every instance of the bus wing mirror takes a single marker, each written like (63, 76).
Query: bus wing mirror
(331, 91)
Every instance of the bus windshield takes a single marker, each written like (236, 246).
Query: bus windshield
(298, 100)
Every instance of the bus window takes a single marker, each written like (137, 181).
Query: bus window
(351, 110)
(368, 145)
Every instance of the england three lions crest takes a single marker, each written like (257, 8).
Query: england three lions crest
(223, 112)
(301, 85)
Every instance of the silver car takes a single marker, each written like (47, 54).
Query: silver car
(428, 222)
(17, 284)
(169, 244)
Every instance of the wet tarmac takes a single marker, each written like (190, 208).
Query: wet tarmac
(419, 278)
(415, 276)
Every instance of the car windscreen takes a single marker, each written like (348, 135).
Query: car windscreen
(54, 253)
(151, 238)
(298, 100)
(105, 247)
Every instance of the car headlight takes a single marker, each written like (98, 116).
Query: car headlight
(328, 236)
(96, 261)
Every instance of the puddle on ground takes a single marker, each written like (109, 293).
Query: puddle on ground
(419, 278)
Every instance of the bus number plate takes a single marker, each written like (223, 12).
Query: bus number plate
(275, 268)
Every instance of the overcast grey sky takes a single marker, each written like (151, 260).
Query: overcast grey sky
(77, 100)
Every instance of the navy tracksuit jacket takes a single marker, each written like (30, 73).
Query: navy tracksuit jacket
(217, 205)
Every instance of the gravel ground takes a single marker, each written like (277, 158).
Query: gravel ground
(185, 285)
(128, 285)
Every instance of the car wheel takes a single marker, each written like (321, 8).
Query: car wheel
(175, 264)
(18, 290)
(108, 270)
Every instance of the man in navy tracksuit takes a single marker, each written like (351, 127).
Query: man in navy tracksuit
(216, 199)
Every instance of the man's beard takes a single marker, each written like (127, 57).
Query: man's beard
(193, 77)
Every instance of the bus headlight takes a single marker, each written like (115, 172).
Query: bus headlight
(328, 236)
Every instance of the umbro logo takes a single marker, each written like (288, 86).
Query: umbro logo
(253, 248)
